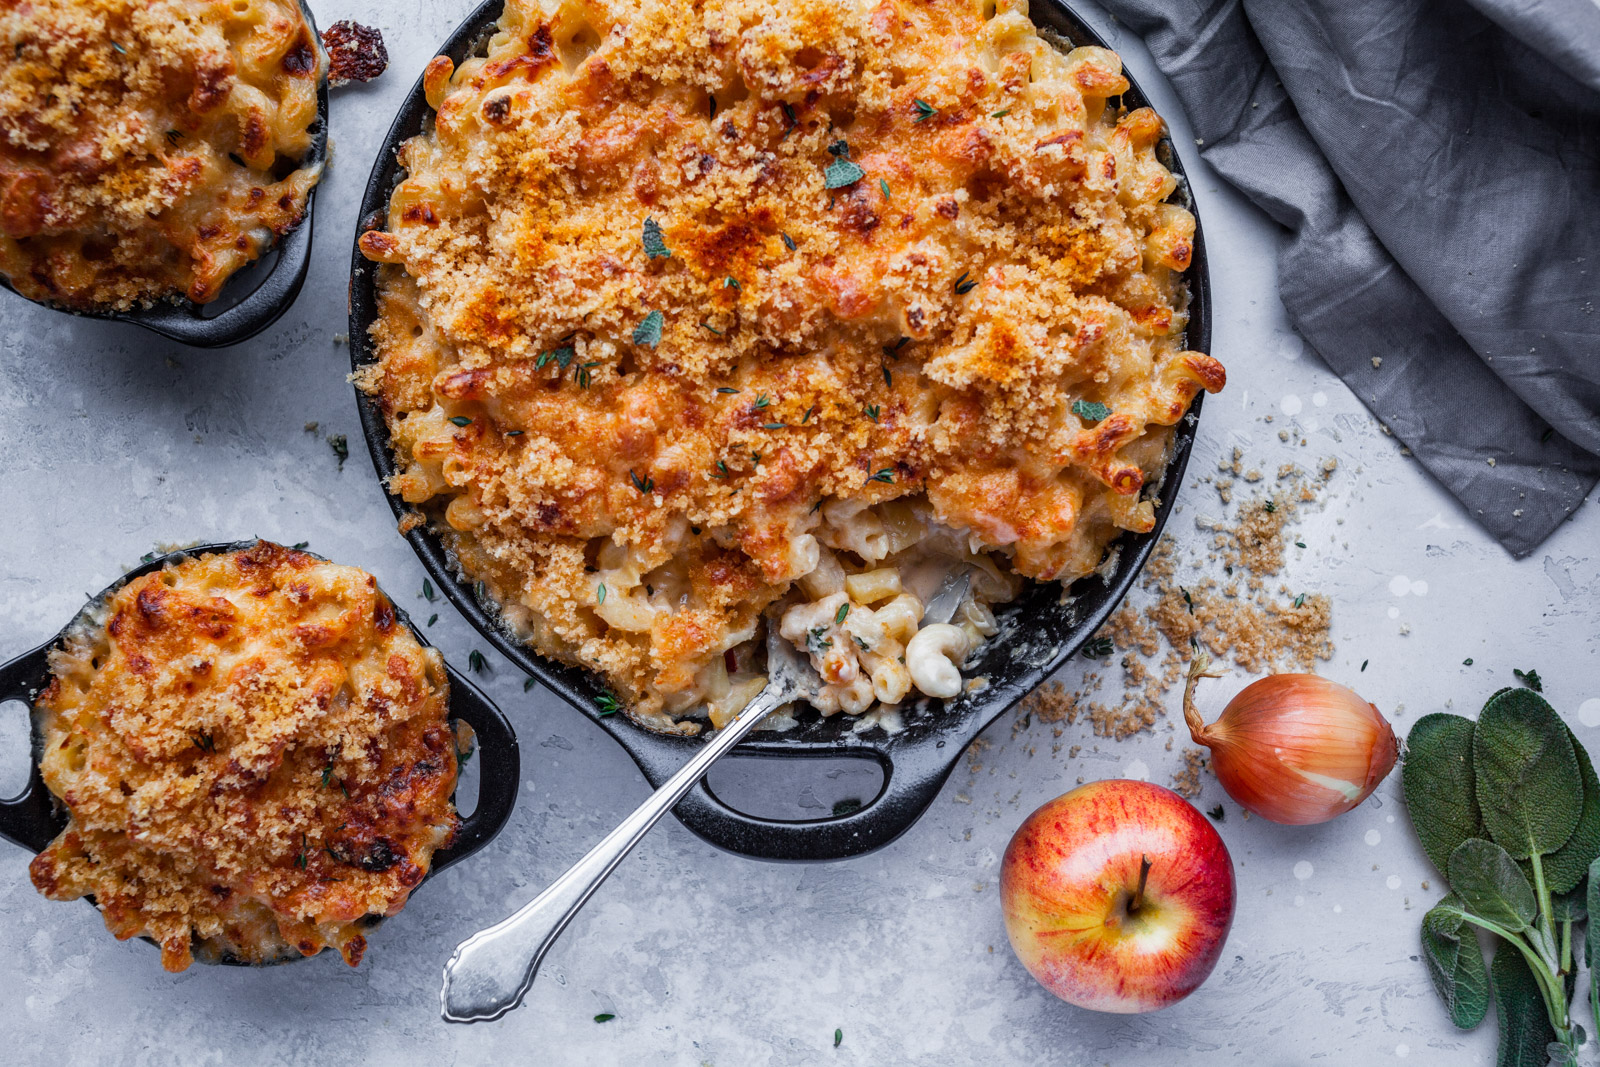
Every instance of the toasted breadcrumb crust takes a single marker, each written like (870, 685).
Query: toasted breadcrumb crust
(148, 147)
(255, 757)
(668, 276)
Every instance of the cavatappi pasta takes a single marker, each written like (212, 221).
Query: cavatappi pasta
(150, 148)
(691, 312)
(254, 754)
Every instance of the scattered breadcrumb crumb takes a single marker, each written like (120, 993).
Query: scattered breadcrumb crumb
(1186, 783)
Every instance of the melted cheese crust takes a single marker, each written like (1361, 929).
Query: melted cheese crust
(911, 251)
(148, 147)
(255, 755)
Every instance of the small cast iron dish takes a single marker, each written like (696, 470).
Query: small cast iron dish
(278, 274)
(1040, 630)
(34, 818)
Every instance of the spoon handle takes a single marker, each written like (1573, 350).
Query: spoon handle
(492, 970)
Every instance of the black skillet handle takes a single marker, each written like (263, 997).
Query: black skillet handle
(29, 820)
(499, 770)
(248, 317)
(912, 779)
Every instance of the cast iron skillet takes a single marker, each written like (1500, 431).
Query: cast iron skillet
(282, 271)
(34, 818)
(1041, 630)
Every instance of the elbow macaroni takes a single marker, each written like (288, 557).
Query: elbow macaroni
(797, 393)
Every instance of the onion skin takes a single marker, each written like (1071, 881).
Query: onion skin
(1295, 748)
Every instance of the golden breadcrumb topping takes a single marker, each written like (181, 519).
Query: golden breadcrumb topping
(676, 291)
(254, 754)
(149, 148)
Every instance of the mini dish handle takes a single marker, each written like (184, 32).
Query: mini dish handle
(499, 770)
(911, 782)
(29, 819)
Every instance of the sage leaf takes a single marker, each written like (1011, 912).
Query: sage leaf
(1525, 1030)
(1591, 938)
(1455, 963)
(1564, 868)
(1529, 787)
(1438, 783)
(1491, 885)
(1569, 907)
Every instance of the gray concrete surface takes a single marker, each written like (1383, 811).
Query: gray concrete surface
(116, 441)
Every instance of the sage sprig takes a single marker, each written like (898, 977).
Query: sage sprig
(1508, 809)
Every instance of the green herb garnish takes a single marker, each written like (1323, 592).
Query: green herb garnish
(1300, 600)
(840, 173)
(788, 114)
(772, 426)
(884, 185)
(655, 244)
(1508, 808)
(810, 411)
(925, 110)
(872, 412)
(1467, 662)
(606, 1016)
(174, 136)
(600, 593)
(461, 420)
(788, 242)
(838, 1036)
(762, 400)
(1217, 813)
(300, 860)
(433, 619)
(475, 661)
(645, 485)
(120, 50)
(204, 742)
(427, 590)
(711, 98)
(965, 284)
(728, 390)
(1002, 113)
(716, 331)
(817, 641)
(1364, 665)
(1097, 647)
(1530, 679)
(607, 702)
(527, 684)
(340, 446)
(844, 610)
(1089, 411)
(299, 545)
(730, 282)
(886, 475)
(1269, 507)
(648, 332)
(580, 374)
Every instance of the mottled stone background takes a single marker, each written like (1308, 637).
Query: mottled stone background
(116, 441)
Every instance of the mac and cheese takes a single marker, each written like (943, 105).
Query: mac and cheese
(254, 755)
(689, 312)
(150, 148)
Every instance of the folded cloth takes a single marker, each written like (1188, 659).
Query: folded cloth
(1437, 166)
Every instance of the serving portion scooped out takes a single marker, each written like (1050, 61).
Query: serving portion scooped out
(681, 321)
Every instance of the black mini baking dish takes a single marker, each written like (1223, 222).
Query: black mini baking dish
(34, 818)
(279, 273)
(1041, 630)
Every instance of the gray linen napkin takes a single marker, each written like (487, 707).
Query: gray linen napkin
(1437, 165)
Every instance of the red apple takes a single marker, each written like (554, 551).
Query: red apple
(1118, 896)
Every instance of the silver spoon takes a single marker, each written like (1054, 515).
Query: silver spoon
(491, 971)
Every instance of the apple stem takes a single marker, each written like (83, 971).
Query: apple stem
(1138, 894)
